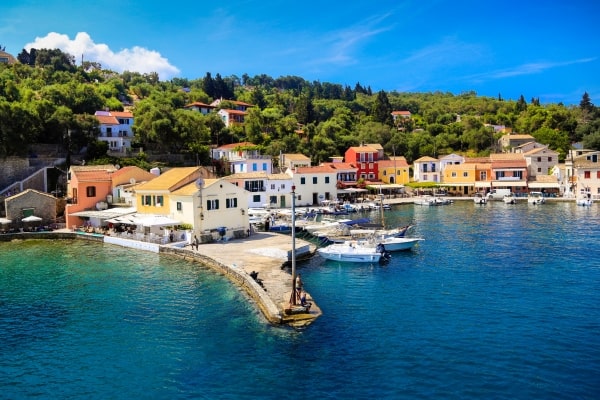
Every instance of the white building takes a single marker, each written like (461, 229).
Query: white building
(314, 184)
(116, 129)
(426, 169)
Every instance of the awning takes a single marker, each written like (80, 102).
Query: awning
(352, 190)
(105, 214)
(483, 184)
(31, 218)
(498, 184)
(457, 184)
(5, 221)
(156, 220)
(544, 185)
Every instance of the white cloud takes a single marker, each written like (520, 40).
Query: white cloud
(136, 59)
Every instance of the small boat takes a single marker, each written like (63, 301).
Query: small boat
(536, 198)
(509, 199)
(584, 198)
(479, 198)
(428, 200)
(353, 251)
(398, 243)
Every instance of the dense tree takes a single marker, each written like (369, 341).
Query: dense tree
(382, 110)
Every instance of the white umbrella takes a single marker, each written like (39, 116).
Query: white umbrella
(31, 218)
(5, 221)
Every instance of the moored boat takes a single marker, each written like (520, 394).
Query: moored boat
(536, 198)
(509, 199)
(353, 251)
(479, 198)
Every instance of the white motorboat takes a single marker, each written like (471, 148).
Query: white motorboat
(428, 200)
(479, 198)
(353, 251)
(536, 198)
(398, 243)
(584, 198)
(509, 199)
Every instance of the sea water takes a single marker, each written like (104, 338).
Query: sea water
(499, 301)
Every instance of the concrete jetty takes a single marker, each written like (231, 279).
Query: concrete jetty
(266, 253)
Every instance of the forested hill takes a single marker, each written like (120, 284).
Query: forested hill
(47, 98)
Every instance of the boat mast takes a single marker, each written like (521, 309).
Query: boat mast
(293, 297)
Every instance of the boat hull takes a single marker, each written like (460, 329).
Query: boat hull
(347, 253)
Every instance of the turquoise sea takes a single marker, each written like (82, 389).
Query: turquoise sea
(500, 301)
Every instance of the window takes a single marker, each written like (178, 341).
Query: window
(256, 198)
(272, 186)
(587, 174)
(549, 159)
(314, 180)
(539, 170)
(499, 174)
(465, 174)
(264, 166)
(326, 179)
(212, 204)
(453, 174)
(483, 176)
(254, 167)
(90, 191)
(597, 174)
(303, 181)
(425, 177)
(179, 207)
(384, 172)
(539, 159)
(146, 200)
(518, 174)
(371, 165)
(231, 202)
(159, 201)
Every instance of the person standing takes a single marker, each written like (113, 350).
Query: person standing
(299, 285)
(196, 242)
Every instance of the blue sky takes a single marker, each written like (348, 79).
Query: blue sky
(545, 49)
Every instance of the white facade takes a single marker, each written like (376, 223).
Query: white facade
(587, 173)
(427, 169)
(313, 185)
(215, 204)
(540, 161)
(116, 129)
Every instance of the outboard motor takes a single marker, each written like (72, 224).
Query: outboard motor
(385, 255)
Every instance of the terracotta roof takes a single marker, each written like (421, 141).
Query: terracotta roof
(296, 156)
(198, 104)
(392, 163)
(319, 169)
(104, 167)
(235, 145)
(363, 149)
(235, 112)
(426, 158)
(506, 156)
(545, 178)
(247, 175)
(401, 113)
(107, 120)
(93, 176)
(122, 114)
(340, 165)
(168, 179)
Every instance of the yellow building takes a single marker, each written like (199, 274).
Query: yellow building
(394, 171)
(153, 197)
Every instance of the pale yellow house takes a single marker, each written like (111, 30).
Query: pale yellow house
(153, 197)
(459, 179)
(393, 171)
(216, 208)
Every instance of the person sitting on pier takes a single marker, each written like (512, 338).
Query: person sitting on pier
(303, 301)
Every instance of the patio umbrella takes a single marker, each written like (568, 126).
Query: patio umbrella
(31, 218)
